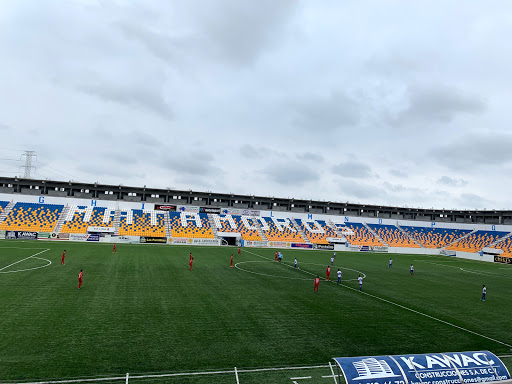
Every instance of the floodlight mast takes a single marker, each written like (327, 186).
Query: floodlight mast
(28, 164)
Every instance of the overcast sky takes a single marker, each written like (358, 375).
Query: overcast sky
(405, 103)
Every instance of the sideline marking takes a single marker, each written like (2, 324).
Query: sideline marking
(408, 309)
(298, 269)
(156, 376)
(19, 261)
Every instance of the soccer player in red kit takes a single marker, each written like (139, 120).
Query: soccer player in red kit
(114, 249)
(317, 282)
(231, 261)
(328, 273)
(63, 257)
(275, 258)
(191, 262)
(190, 257)
(239, 251)
(80, 278)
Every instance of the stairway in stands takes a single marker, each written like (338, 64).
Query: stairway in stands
(62, 219)
(7, 210)
(299, 229)
(410, 237)
(375, 234)
(213, 225)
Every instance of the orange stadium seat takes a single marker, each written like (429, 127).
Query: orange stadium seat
(143, 223)
(32, 217)
(361, 235)
(191, 230)
(78, 224)
(322, 231)
(506, 246)
(476, 241)
(273, 233)
(431, 237)
(223, 224)
(393, 236)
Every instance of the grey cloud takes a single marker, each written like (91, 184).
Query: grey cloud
(197, 163)
(475, 151)
(362, 191)
(451, 182)
(398, 173)
(146, 139)
(240, 30)
(169, 49)
(326, 114)
(4, 127)
(250, 151)
(121, 158)
(309, 156)
(147, 95)
(473, 201)
(353, 169)
(437, 104)
(294, 174)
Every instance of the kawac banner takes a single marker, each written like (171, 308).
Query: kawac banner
(432, 368)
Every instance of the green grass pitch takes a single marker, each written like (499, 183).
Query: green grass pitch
(141, 310)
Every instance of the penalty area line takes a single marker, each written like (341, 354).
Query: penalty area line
(410, 309)
(26, 258)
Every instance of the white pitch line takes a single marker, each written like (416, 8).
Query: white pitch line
(410, 309)
(19, 261)
(300, 378)
(333, 375)
(30, 269)
(115, 378)
(236, 375)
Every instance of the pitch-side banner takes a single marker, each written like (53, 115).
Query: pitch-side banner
(432, 368)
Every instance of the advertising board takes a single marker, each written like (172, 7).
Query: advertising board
(503, 259)
(432, 368)
(209, 210)
(59, 236)
(44, 235)
(165, 207)
(2, 234)
(125, 239)
(324, 246)
(300, 245)
(279, 244)
(83, 237)
(20, 235)
(101, 229)
(154, 240)
(256, 244)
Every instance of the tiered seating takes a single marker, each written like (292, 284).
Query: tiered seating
(78, 223)
(32, 217)
(322, 231)
(393, 236)
(286, 234)
(506, 245)
(476, 241)
(3, 204)
(143, 223)
(361, 236)
(239, 227)
(191, 229)
(435, 237)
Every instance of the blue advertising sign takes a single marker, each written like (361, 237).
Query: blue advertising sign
(433, 368)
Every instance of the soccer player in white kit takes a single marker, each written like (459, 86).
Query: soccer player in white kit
(411, 272)
(339, 276)
(484, 292)
(360, 279)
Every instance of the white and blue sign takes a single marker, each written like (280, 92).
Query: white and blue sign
(433, 368)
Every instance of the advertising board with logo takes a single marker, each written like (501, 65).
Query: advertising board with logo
(83, 237)
(2, 234)
(165, 207)
(278, 244)
(446, 252)
(125, 239)
(503, 259)
(336, 240)
(101, 229)
(432, 368)
(59, 236)
(256, 244)
(206, 241)
(324, 246)
(209, 210)
(20, 235)
(300, 245)
(152, 239)
(179, 240)
(187, 208)
(44, 235)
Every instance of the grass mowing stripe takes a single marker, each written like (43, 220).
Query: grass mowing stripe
(404, 307)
